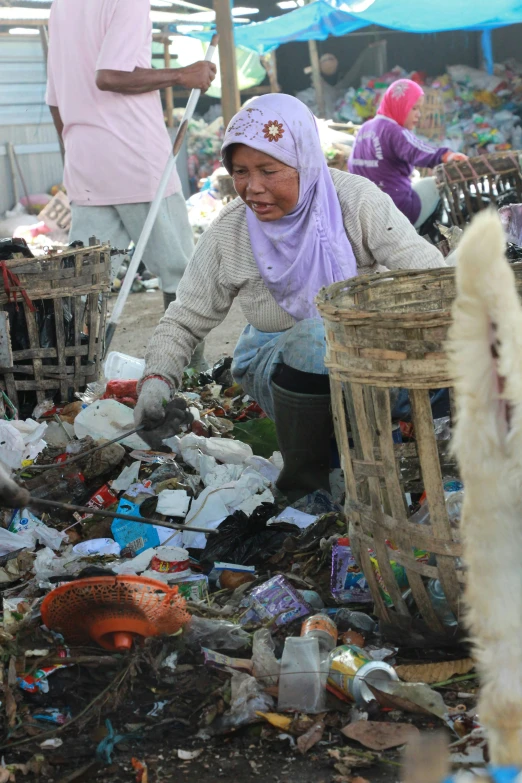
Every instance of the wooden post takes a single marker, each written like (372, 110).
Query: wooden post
(316, 78)
(230, 100)
(169, 94)
(10, 157)
(269, 62)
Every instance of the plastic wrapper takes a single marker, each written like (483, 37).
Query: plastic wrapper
(276, 600)
(265, 666)
(348, 583)
(215, 634)
(93, 392)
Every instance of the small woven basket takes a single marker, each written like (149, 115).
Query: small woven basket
(469, 186)
(388, 331)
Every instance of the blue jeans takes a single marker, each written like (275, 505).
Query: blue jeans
(257, 355)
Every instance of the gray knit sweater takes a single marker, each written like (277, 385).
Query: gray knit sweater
(223, 267)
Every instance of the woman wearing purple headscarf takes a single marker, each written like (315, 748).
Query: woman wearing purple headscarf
(297, 226)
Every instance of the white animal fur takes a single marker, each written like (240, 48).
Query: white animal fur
(488, 444)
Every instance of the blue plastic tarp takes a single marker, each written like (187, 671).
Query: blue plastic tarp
(323, 18)
(316, 21)
(434, 16)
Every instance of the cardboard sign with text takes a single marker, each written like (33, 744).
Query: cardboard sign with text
(57, 213)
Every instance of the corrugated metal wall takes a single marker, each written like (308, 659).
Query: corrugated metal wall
(25, 120)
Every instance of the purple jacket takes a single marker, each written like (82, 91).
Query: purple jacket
(386, 153)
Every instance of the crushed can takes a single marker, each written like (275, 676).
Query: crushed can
(351, 672)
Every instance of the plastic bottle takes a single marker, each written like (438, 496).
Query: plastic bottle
(120, 366)
(347, 620)
(322, 628)
(440, 604)
(516, 137)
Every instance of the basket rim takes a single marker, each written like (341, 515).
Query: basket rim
(327, 296)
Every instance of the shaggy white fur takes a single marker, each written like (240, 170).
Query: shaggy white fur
(485, 349)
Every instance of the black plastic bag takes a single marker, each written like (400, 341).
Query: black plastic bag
(246, 540)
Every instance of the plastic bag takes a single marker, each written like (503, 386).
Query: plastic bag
(511, 219)
(245, 540)
(25, 523)
(265, 666)
(247, 699)
(216, 634)
(301, 683)
(12, 542)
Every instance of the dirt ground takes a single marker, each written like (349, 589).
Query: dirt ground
(141, 316)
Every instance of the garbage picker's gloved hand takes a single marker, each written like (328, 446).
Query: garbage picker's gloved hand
(450, 157)
(11, 494)
(160, 412)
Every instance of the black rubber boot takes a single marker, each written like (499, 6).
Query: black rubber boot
(168, 298)
(304, 428)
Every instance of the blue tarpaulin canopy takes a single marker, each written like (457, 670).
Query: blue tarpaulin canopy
(323, 18)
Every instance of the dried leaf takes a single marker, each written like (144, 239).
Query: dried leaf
(303, 723)
(349, 760)
(10, 706)
(358, 779)
(282, 722)
(410, 697)
(311, 737)
(4, 775)
(380, 736)
(434, 672)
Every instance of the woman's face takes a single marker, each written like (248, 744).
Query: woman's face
(412, 120)
(268, 187)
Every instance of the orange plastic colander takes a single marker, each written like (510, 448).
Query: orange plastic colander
(114, 611)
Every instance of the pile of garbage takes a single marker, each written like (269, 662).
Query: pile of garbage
(482, 112)
(131, 642)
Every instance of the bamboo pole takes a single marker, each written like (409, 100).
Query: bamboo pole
(230, 100)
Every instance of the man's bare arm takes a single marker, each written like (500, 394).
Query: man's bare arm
(58, 122)
(200, 75)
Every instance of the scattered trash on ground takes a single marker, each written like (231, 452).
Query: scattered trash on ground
(225, 613)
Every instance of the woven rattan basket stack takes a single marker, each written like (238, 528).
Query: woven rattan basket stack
(386, 331)
(52, 324)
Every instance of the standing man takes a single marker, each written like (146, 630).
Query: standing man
(105, 102)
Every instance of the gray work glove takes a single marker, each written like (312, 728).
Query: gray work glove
(162, 414)
(11, 494)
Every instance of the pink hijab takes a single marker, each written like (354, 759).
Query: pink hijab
(399, 99)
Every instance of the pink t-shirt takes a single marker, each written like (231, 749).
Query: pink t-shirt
(116, 146)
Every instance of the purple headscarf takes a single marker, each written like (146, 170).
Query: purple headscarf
(307, 249)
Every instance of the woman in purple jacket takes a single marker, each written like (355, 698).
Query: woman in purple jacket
(386, 152)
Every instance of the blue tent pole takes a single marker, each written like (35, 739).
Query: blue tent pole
(487, 50)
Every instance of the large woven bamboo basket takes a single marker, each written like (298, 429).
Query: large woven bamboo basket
(386, 331)
(470, 186)
(55, 350)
